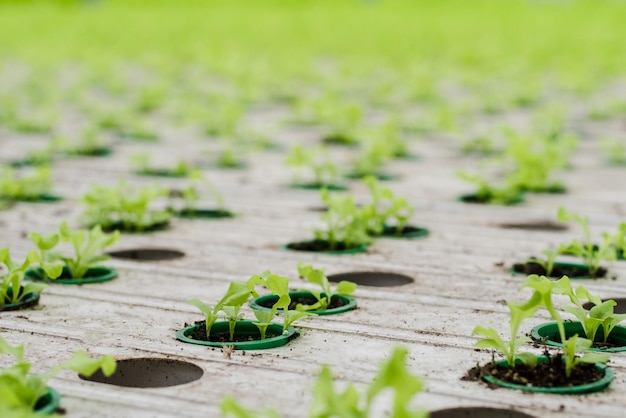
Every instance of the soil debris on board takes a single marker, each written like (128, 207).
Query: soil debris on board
(558, 271)
(550, 374)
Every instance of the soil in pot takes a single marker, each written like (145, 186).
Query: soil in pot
(547, 376)
(572, 270)
(485, 200)
(247, 336)
(120, 226)
(323, 246)
(42, 198)
(478, 412)
(147, 254)
(379, 176)
(204, 213)
(48, 403)
(535, 226)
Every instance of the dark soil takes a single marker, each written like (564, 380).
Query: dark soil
(557, 271)
(339, 139)
(317, 246)
(224, 337)
(535, 226)
(335, 302)
(548, 375)
(390, 231)
(119, 226)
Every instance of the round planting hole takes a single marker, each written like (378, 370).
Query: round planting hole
(535, 226)
(147, 254)
(149, 373)
(478, 412)
(620, 308)
(372, 278)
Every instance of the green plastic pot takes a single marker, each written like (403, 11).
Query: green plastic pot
(409, 232)
(379, 176)
(204, 213)
(473, 199)
(562, 264)
(245, 329)
(48, 403)
(349, 303)
(94, 275)
(565, 390)
(549, 334)
(352, 250)
(31, 299)
(119, 226)
(318, 186)
(162, 172)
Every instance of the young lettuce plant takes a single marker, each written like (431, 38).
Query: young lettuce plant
(373, 154)
(143, 166)
(124, 207)
(185, 200)
(30, 186)
(344, 223)
(88, 246)
(487, 193)
(12, 289)
(574, 345)
(20, 389)
(393, 376)
(228, 306)
(313, 164)
(591, 254)
(279, 286)
(317, 276)
(385, 209)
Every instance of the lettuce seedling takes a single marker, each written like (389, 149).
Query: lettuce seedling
(593, 255)
(373, 154)
(191, 194)
(12, 289)
(20, 390)
(385, 209)
(28, 186)
(487, 193)
(344, 223)
(575, 344)
(313, 164)
(510, 350)
(393, 376)
(228, 306)
(124, 207)
(142, 164)
(88, 246)
(317, 276)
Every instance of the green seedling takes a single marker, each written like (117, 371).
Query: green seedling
(574, 345)
(510, 349)
(385, 208)
(124, 207)
(479, 145)
(12, 289)
(21, 389)
(279, 286)
(393, 376)
(312, 165)
(29, 186)
(143, 165)
(342, 121)
(592, 255)
(228, 306)
(230, 157)
(186, 199)
(374, 152)
(90, 143)
(317, 276)
(550, 258)
(88, 247)
(344, 223)
(487, 193)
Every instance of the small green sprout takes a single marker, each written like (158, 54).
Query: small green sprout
(88, 246)
(317, 276)
(385, 208)
(124, 207)
(313, 164)
(191, 194)
(487, 193)
(344, 223)
(575, 344)
(12, 289)
(29, 186)
(373, 153)
(591, 254)
(20, 389)
(327, 401)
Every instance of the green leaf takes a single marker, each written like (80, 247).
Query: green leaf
(345, 287)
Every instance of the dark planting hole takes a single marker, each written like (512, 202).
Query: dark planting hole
(478, 412)
(149, 373)
(147, 254)
(372, 278)
(535, 226)
(620, 308)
